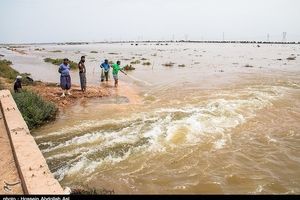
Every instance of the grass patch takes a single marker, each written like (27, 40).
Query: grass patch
(135, 62)
(6, 71)
(169, 64)
(94, 52)
(56, 51)
(39, 49)
(35, 110)
(291, 58)
(143, 58)
(1, 86)
(146, 63)
(183, 65)
(58, 61)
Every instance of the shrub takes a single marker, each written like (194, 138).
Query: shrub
(146, 63)
(1, 86)
(183, 65)
(291, 58)
(6, 71)
(35, 110)
(170, 64)
(94, 51)
(58, 61)
(135, 62)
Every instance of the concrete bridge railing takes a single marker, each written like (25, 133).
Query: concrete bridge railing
(33, 170)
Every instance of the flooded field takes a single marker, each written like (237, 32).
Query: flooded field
(223, 118)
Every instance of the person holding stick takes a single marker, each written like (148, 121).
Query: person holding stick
(116, 68)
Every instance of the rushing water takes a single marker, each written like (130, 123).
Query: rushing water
(211, 127)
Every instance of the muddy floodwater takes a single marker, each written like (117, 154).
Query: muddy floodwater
(225, 118)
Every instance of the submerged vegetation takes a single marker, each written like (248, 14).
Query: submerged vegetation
(35, 110)
(39, 49)
(169, 64)
(146, 63)
(58, 61)
(135, 62)
(56, 51)
(291, 58)
(129, 67)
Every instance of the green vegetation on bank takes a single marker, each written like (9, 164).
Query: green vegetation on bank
(58, 61)
(6, 71)
(1, 86)
(35, 110)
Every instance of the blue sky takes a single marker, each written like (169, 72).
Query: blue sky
(24, 21)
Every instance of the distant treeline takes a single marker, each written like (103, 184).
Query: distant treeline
(204, 41)
(165, 41)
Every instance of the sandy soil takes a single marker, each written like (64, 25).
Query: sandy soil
(53, 93)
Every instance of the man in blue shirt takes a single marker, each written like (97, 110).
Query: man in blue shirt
(65, 78)
(105, 70)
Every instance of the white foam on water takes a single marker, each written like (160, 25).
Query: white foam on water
(211, 119)
(219, 144)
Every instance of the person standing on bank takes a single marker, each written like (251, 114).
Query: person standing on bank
(116, 68)
(104, 70)
(65, 78)
(82, 73)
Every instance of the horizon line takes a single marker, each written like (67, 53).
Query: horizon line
(156, 41)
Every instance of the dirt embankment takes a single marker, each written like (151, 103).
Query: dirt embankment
(52, 92)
